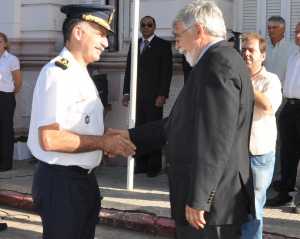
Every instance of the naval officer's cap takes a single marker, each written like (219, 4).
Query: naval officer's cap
(99, 14)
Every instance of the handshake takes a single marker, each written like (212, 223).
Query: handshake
(117, 142)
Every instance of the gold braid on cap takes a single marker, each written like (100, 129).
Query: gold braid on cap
(111, 16)
(97, 20)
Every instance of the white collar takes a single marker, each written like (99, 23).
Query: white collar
(4, 54)
(278, 43)
(149, 39)
(65, 53)
(207, 47)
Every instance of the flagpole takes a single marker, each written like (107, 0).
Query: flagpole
(133, 86)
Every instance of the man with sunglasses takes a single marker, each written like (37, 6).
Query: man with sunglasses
(153, 84)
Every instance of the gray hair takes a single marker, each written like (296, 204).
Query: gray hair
(277, 19)
(206, 13)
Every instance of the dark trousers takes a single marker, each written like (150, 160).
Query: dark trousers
(289, 126)
(209, 232)
(7, 106)
(277, 167)
(68, 201)
(147, 112)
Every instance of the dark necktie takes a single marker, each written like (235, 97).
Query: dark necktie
(146, 44)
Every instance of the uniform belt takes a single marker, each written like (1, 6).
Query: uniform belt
(293, 101)
(6, 93)
(62, 168)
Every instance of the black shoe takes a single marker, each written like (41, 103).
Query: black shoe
(297, 209)
(153, 174)
(138, 171)
(3, 226)
(277, 186)
(280, 200)
(5, 169)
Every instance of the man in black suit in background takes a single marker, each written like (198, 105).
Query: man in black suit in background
(153, 84)
(207, 132)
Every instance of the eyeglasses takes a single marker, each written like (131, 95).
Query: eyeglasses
(150, 25)
(273, 27)
(179, 35)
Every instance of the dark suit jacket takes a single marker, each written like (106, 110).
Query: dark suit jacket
(207, 140)
(186, 68)
(154, 70)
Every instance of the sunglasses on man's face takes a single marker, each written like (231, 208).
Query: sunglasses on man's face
(150, 25)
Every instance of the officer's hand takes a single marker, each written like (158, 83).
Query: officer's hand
(123, 133)
(195, 217)
(125, 100)
(116, 144)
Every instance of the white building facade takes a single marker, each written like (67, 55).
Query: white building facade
(34, 30)
(254, 13)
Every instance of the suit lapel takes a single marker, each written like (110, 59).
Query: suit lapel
(152, 43)
(139, 46)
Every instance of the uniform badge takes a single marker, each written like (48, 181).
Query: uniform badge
(63, 63)
(87, 119)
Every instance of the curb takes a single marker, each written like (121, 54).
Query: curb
(133, 220)
(139, 221)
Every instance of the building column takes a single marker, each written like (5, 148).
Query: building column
(10, 15)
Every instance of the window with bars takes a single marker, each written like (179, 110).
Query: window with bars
(249, 15)
(294, 16)
(113, 38)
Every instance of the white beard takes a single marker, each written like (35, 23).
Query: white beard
(188, 57)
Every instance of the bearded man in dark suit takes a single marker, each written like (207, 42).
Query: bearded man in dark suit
(207, 132)
(153, 84)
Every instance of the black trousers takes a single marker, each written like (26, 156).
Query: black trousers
(289, 126)
(146, 111)
(209, 232)
(68, 201)
(7, 106)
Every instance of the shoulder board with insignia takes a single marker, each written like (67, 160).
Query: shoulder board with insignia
(62, 63)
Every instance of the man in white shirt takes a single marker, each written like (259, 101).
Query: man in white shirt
(267, 95)
(289, 129)
(278, 51)
(66, 128)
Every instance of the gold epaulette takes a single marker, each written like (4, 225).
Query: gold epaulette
(63, 63)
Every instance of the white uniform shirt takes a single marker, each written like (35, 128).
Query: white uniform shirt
(277, 57)
(67, 97)
(264, 130)
(8, 63)
(291, 86)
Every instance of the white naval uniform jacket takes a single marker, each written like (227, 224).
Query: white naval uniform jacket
(67, 97)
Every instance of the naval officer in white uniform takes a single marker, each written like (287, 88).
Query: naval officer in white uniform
(66, 129)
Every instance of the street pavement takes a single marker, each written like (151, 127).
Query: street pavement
(147, 207)
(25, 225)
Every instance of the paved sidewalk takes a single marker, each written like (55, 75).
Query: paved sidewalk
(145, 209)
